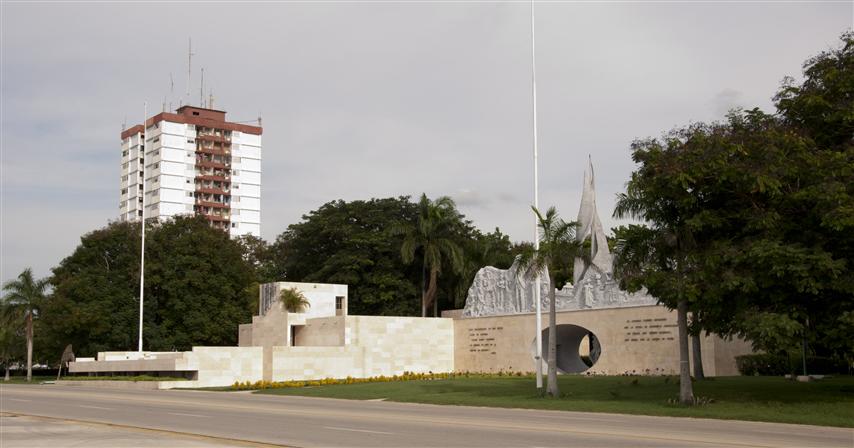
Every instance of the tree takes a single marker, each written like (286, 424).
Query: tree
(558, 249)
(657, 256)
(198, 285)
(820, 107)
(350, 243)
(353, 243)
(11, 340)
(257, 253)
(24, 296)
(197, 289)
(294, 300)
(433, 237)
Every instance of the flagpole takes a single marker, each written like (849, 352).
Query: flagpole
(539, 356)
(142, 149)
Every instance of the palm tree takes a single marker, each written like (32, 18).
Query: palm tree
(294, 300)
(658, 256)
(24, 296)
(10, 335)
(432, 235)
(558, 248)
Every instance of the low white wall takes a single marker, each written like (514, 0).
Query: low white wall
(373, 346)
(223, 366)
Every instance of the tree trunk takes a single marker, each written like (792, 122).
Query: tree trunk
(423, 287)
(7, 372)
(686, 390)
(436, 308)
(29, 347)
(431, 291)
(698, 356)
(551, 386)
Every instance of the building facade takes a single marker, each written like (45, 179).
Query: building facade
(193, 162)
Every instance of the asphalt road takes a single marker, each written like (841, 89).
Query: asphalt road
(235, 417)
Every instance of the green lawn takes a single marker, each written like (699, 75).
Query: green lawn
(829, 402)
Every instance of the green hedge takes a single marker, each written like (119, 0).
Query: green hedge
(768, 364)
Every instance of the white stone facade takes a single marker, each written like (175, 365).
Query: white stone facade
(193, 162)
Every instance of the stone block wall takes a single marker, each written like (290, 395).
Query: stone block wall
(222, 366)
(640, 340)
(369, 346)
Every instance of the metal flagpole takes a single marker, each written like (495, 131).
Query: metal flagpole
(539, 357)
(142, 221)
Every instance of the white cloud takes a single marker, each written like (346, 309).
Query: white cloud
(363, 100)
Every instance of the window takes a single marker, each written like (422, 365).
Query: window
(236, 186)
(188, 180)
(124, 153)
(190, 194)
(339, 302)
(189, 140)
(124, 190)
(234, 225)
(235, 172)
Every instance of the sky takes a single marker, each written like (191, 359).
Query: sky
(377, 99)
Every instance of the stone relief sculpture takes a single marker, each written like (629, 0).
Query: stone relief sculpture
(503, 291)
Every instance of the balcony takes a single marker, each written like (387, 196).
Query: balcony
(212, 150)
(203, 203)
(212, 190)
(214, 177)
(213, 138)
(211, 164)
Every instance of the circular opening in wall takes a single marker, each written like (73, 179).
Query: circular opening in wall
(578, 348)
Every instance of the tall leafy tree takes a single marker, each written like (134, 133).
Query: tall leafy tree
(24, 296)
(433, 237)
(768, 204)
(198, 288)
(349, 243)
(657, 257)
(558, 249)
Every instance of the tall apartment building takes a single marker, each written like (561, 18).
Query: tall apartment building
(193, 162)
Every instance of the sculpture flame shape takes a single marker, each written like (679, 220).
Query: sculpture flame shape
(591, 227)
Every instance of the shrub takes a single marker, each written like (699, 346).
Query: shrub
(768, 364)
(762, 364)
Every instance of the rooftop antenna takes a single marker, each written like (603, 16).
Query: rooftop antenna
(211, 100)
(189, 69)
(171, 91)
(202, 90)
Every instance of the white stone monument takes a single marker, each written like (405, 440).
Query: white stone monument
(506, 291)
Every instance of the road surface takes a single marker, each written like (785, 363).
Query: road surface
(238, 417)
